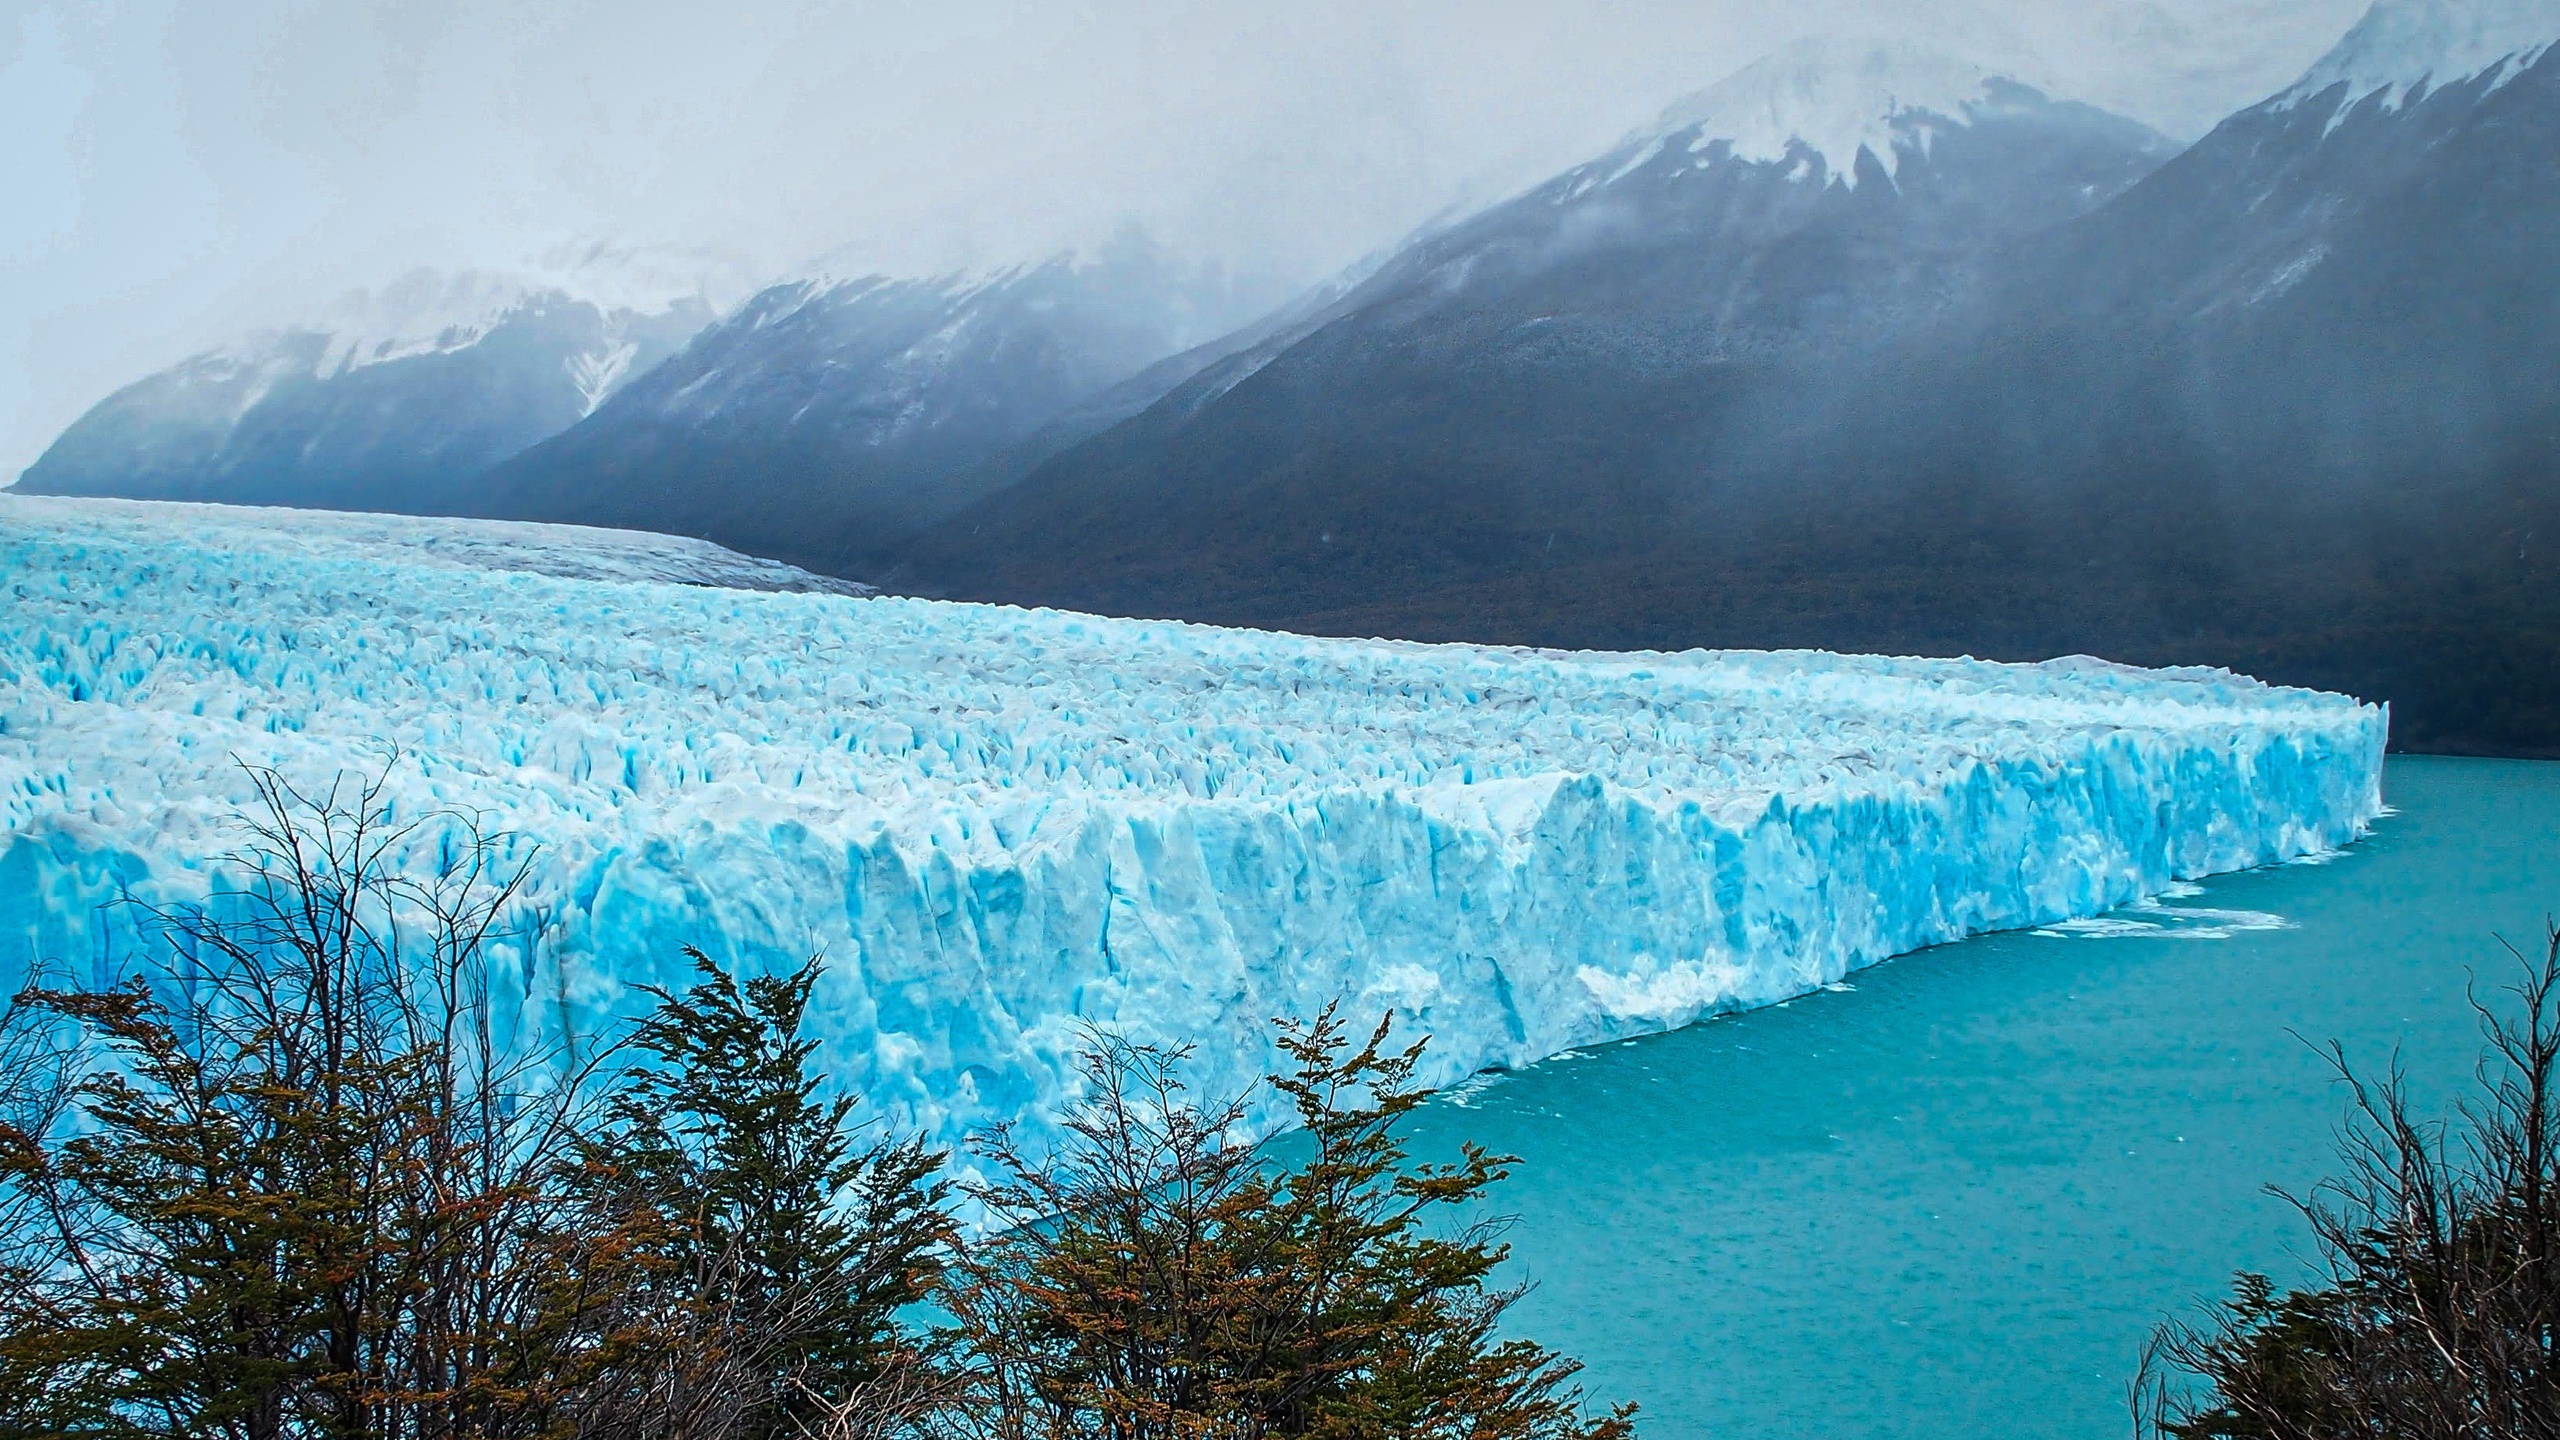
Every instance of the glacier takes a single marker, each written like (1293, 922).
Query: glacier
(572, 552)
(1003, 826)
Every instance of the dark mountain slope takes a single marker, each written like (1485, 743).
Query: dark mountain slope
(390, 407)
(1512, 395)
(827, 420)
(2291, 404)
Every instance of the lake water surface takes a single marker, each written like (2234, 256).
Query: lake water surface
(1954, 1200)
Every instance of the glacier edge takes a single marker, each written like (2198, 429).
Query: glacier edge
(1002, 826)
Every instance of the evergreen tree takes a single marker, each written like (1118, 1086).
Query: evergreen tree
(305, 1195)
(790, 1235)
(1159, 1278)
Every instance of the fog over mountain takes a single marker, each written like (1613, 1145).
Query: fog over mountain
(181, 176)
(835, 414)
(1894, 339)
(2284, 403)
(392, 397)
(1529, 378)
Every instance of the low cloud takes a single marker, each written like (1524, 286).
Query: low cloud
(201, 169)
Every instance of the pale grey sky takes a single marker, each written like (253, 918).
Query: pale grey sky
(175, 171)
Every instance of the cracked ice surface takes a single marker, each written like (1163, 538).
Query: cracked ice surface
(1000, 825)
(573, 552)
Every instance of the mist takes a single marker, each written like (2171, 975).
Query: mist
(179, 173)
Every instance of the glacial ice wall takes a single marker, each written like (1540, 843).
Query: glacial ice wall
(1003, 825)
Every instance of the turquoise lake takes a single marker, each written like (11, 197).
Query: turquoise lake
(1954, 1200)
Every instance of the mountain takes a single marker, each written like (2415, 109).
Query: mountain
(393, 398)
(832, 416)
(2290, 405)
(2003, 385)
(2403, 48)
(1510, 394)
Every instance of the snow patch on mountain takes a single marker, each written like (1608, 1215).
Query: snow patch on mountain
(598, 371)
(2405, 47)
(1830, 98)
(1202, 300)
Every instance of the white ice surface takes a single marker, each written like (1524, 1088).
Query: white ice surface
(1003, 825)
(569, 552)
(2402, 45)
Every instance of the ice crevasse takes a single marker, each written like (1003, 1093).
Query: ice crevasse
(1004, 826)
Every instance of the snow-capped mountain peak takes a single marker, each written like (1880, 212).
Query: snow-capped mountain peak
(853, 269)
(1202, 299)
(1834, 97)
(393, 394)
(2406, 46)
(642, 279)
(424, 312)
(430, 311)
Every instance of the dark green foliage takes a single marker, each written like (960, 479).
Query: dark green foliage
(783, 1221)
(2440, 1311)
(2273, 1366)
(286, 1187)
(303, 1195)
(1164, 1279)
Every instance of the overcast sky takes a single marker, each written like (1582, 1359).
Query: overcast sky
(174, 171)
